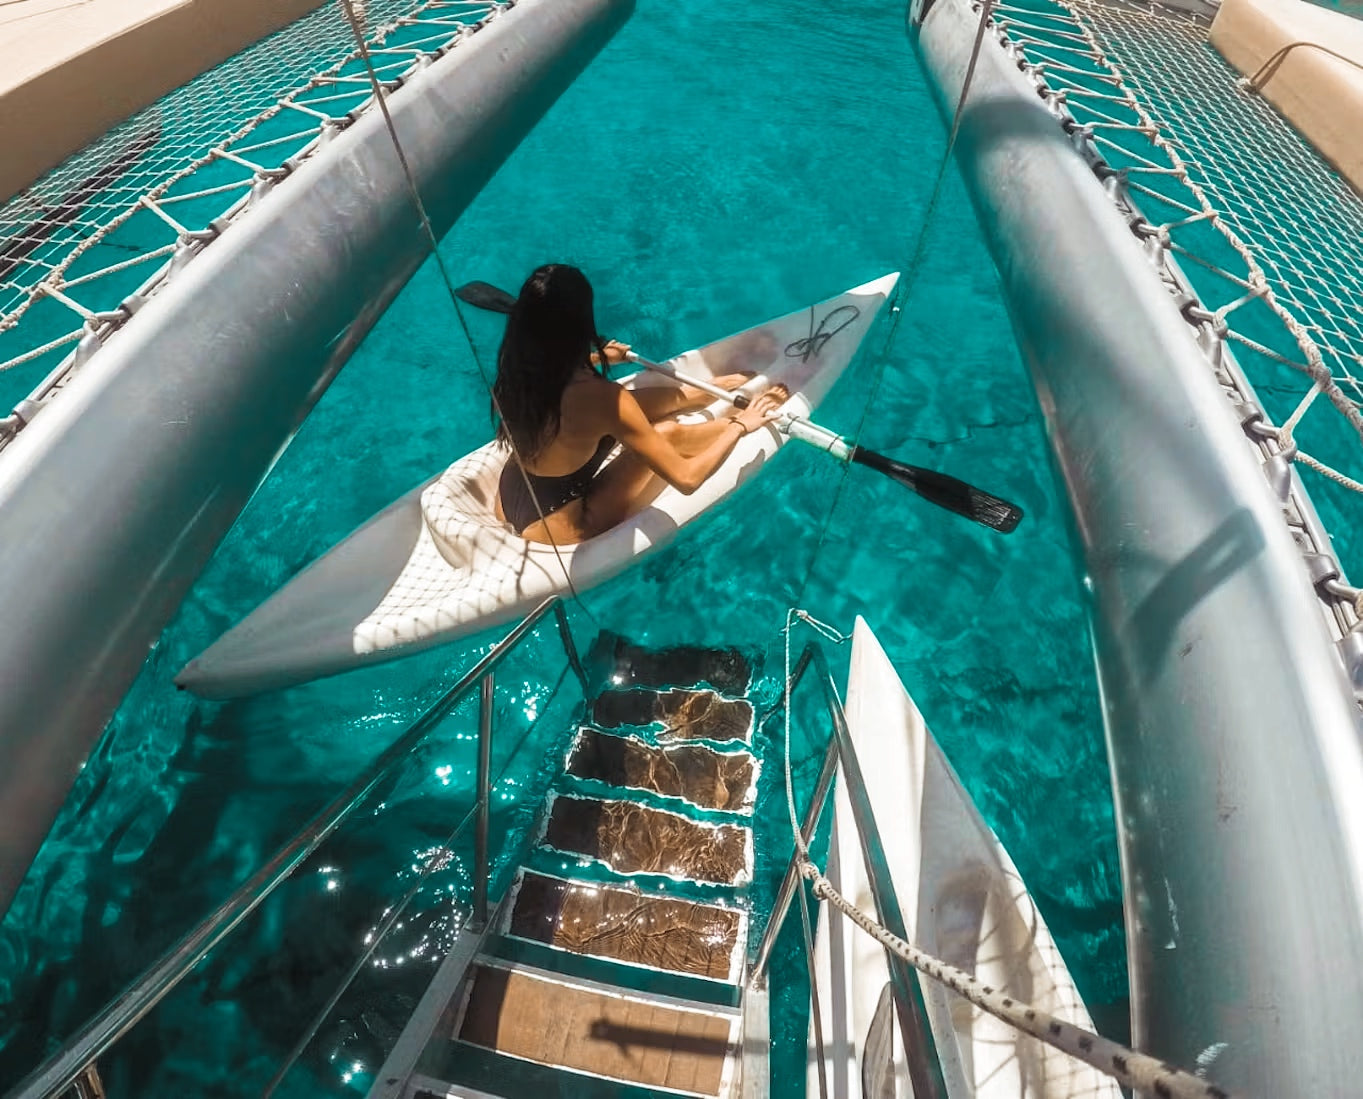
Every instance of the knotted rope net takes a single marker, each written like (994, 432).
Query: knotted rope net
(1267, 234)
(79, 242)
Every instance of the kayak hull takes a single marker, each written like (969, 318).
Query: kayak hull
(438, 564)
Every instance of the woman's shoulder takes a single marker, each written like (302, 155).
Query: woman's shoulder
(591, 393)
(589, 380)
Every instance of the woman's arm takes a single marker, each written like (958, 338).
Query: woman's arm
(632, 428)
(658, 401)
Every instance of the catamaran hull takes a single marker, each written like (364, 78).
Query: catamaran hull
(962, 900)
(439, 565)
(113, 498)
(1234, 734)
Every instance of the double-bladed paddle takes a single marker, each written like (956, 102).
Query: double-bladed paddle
(937, 488)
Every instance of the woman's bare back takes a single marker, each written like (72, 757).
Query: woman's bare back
(658, 451)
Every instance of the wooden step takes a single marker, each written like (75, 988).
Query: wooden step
(484, 1074)
(633, 839)
(693, 772)
(594, 1029)
(626, 925)
(623, 664)
(607, 971)
(682, 714)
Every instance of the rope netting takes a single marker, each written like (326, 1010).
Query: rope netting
(1267, 235)
(76, 244)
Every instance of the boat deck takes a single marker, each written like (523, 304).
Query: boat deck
(613, 965)
(71, 69)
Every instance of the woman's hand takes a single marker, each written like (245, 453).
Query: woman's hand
(616, 353)
(763, 410)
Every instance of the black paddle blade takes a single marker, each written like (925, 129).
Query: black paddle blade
(483, 295)
(945, 492)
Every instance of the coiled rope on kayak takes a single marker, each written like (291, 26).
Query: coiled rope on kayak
(355, 15)
(1129, 1067)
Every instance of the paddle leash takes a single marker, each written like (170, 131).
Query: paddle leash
(937, 488)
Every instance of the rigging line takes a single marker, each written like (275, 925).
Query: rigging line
(899, 301)
(363, 46)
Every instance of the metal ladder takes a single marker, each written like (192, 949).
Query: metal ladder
(646, 935)
(613, 965)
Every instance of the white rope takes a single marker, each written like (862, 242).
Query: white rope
(39, 352)
(1285, 439)
(1129, 1067)
(1290, 448)
(1325, 471)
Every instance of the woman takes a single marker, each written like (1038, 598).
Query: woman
(563, 417)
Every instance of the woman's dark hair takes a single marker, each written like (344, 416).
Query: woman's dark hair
(550, 335)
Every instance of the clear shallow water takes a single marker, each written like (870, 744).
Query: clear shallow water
(718, 164)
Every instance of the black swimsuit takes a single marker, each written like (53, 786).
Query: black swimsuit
(553, 493)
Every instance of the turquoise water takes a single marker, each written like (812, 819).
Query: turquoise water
(716, 165)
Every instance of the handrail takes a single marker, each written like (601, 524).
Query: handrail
(480, 854)
(93, 1040)
(925, 1071)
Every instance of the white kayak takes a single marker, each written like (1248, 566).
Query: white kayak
(438, 564)
(961, 899)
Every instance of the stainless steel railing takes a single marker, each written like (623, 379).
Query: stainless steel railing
(75, 1065)
(925, 1071)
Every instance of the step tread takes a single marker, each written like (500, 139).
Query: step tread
(622, 663)
(708, 779)
(682, 714)
(623, 924)
(588, 1028)
(634, 839)
(485, 1074)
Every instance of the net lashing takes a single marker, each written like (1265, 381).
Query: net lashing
(79, 243)
(1267, 235)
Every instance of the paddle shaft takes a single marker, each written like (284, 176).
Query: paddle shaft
(937, 488)
(795, 426)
